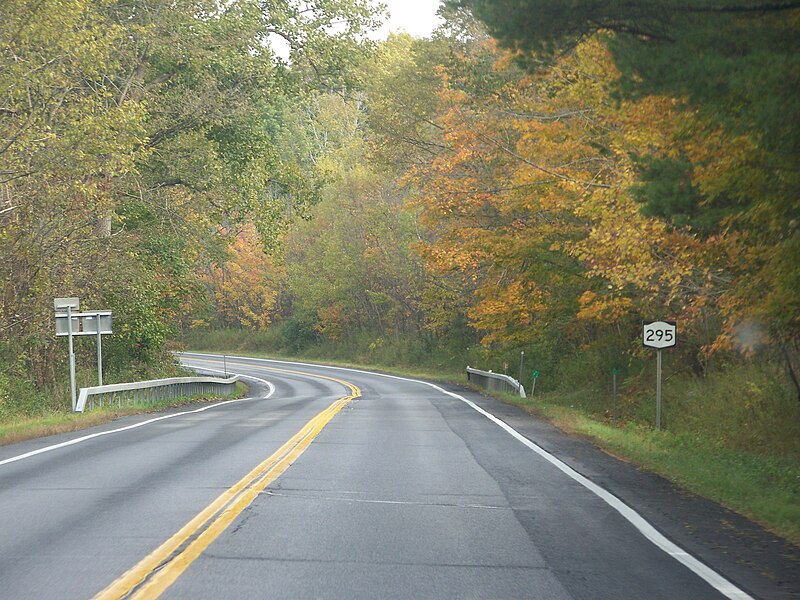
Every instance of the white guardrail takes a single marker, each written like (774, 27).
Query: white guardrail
(495, 381)
(148, 392)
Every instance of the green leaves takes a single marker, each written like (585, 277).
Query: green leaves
(137, 138)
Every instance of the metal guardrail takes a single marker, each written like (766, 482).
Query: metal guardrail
(495, 381)
(148, 392)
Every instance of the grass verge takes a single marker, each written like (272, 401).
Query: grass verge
(765, 489)
(21, 429)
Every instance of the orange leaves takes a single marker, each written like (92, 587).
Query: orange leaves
(499, 197)
(332, 322)
(506, 312)
(609, 307)
(533, 201)
(500, 203)
(245, 288)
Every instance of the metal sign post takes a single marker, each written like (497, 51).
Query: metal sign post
(535, 377)
(72, 390)
(658, 389)
(70, 324)
(67, 304)
(99, 358)
(659, 335)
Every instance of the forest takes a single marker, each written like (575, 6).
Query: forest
(518, 191)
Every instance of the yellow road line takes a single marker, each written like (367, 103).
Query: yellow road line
(166, 563)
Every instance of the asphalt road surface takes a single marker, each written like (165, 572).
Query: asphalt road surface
(331, 483)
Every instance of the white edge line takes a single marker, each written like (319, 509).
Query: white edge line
(135, 425)
(700, 569)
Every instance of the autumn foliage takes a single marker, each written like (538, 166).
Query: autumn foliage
(543, 194)
(537, 203)
(245, 288)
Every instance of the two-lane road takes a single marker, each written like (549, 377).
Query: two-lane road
(329, 483)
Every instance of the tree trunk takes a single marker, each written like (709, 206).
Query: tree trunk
(103, 227)
(790, 354)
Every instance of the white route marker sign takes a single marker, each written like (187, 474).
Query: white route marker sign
(660, 334)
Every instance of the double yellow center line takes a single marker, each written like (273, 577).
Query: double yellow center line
(157, 571)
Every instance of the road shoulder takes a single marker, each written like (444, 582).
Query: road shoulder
(760, 562)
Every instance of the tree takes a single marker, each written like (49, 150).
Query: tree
(495, 199)
(349, 267)
(136, 137)
(732, 68)
(245, 289)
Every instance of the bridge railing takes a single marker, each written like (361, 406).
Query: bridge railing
(495, 381)
(149, 392)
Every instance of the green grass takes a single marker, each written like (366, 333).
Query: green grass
(23, 428)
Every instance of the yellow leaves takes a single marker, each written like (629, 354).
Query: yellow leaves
(725, 163)
(649, 124)
(608, 308)
(331, 322)
(507, 312)
(245, 288)
(444, 257)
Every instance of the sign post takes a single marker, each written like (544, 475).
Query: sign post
(99, 358)
(70, 324)
(535, 377)
(67, 305)
(658, 389)
(659, 335)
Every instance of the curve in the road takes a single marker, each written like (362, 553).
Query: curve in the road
(713, 578)
(157, 571)
(92, 436)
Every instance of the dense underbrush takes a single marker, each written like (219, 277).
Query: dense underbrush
(21, 399)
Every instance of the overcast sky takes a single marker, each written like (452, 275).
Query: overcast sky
(417, 17)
